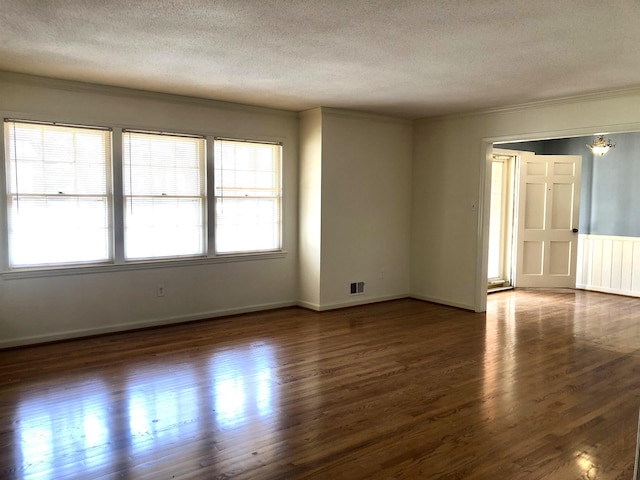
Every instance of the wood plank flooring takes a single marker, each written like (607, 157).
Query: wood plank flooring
(545, 386)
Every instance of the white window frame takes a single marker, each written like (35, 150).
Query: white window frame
(118, 262)
(129, 196)
(217, 199)
(10, 168)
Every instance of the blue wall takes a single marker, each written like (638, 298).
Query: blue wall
(610, 185)
(578, 146)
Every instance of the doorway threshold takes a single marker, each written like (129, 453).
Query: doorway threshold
(499, 289)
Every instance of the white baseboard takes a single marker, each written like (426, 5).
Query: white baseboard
(360, 300)
(613, 291)
(309, 305)
(440, 301)
(122, 327)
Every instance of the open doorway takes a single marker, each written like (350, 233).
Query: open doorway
(608, 232)
(501, 223)
(534, 210)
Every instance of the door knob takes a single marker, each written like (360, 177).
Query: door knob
(575, 230)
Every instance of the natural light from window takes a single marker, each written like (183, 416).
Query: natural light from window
(57, 194)
(247, 196)
(164, 196)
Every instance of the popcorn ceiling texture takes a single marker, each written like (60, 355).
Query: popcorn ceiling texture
(413, 58)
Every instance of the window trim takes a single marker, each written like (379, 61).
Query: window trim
(203, 197)
(4, 203)
(65, 270)
(212, 246)
(118, 262)
(4, 215)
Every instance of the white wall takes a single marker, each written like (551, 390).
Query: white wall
(51, 307)
(449, 232)
(366, 207)
(310, 200)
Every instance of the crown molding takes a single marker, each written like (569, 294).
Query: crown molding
(76, 86)
(354, 114)
(519, 107)
(358, 115)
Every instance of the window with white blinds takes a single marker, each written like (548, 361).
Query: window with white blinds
(60, 203)
(164, 195)
(58, 194)
(248, 195)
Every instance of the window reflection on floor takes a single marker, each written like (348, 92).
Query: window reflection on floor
(243, 385)
(500, 361)
(159, 409)
(63, 424)
(92, 424)
(230, 399)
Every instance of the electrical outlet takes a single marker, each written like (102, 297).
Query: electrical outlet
(161, 290)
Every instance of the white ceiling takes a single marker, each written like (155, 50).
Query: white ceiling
(409, 58)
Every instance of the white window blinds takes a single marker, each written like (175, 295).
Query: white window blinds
(248, 196)
(164, 195)
(58, 194)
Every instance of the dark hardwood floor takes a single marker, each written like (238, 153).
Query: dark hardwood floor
(546, 386)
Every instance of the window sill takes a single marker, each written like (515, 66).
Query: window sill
(137, 265)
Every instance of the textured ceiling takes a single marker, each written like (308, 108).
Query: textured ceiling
(412, 58)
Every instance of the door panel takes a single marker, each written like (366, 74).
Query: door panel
(532, 258)
(562, 214)
(547, 213)
(560, 258)
(535, 199)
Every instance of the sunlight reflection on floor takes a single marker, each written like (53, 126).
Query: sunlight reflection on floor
(74, 421)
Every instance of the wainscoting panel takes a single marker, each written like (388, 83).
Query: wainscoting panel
(609, 264)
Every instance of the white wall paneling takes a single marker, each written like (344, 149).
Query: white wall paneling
(609, 264)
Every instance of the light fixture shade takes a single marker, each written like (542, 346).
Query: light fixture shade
(601, 146)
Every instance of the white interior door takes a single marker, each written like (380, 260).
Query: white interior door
(548, 212)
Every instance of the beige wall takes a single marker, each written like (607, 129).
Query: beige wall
(448, 244)
(396, 204)
(51, 307)
(355, 203)
(366, 207)
(310, 200)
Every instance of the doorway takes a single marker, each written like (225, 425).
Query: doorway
(501, 221)
(533, 217)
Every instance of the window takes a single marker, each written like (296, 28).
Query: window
(58, 194)
(248, 196)
(69, 203)
(164, 195)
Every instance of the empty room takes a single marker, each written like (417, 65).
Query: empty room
(322, 240)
